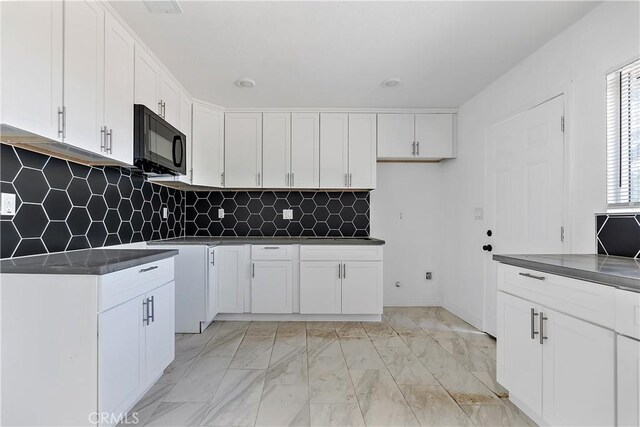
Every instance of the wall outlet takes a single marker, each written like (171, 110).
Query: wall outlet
(428, 275)
(8, 204)
(165, 212)
(220, 213)
(287, 213)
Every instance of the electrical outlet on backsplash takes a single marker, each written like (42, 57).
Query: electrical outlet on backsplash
(618, 234)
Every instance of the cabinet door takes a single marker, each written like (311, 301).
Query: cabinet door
(362, 287)
(211, 294)
(243, 150)
(170, 96)
(519, 353)
(31, 57)
(578, 372)
(147, 78)
(160, 332)
(272, 287)
(84, 74)
(396, 136)
(118, 89)
(628, 351)
(434, 136)
(232, 274)
(305, 150)
(320, 287)
(185, 127)
(276, 149)
(121, 344)
(334, 150)
(362, 151)
(207, 146)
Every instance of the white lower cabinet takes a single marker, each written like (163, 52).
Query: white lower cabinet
(272, 287)
(159, 332)
(232, 264)
(320, 287)
(361, 287)
(628, 367)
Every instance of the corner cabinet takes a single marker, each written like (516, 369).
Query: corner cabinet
(416, 137)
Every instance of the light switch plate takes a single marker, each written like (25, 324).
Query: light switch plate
(165, 212)
(220, 213)
(287, 213)
(8, 204)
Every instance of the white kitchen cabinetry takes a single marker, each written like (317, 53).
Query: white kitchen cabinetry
(361, 287)
(243, 150)
(207, 146)
(416, 136)
(362, 151)
(571, 323)
(147, 78)
(170, 97)
(160, 332)
(334, 150)
(233, 267)
(305, 150)
(320, 287)
(272, 287)
(31, 34)
(628, 367)
(276, 149)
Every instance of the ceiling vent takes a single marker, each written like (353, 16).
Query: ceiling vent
(391, 83)
(245, 83)
(163, 6)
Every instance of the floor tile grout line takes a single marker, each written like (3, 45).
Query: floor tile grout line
(353, 385)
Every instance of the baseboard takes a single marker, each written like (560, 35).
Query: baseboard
(301, 317)
(412, 303)
(472, 320)
(526, 410)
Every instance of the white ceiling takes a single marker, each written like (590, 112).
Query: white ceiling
(335, 54)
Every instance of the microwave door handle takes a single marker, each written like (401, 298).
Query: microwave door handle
(176, 142)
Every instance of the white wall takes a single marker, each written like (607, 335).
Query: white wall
(412, 243)
(579, 58)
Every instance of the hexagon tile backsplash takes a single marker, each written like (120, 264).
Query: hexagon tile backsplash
(618, 234)
(64, 206)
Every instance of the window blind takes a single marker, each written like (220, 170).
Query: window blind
(623, 136)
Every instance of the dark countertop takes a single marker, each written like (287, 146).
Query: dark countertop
(619, 272)
(93, 262)
(217, 241)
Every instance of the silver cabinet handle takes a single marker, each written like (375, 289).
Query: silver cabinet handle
(258, 179)
(293, 179)
(60, 120)
(413, 148)
(542, 319)
(64, 122)
(271, 247)
(144, 270)
(164, 110)
(344, 271)
(145, 311)
(346, 179)
(531, 276)
(103, 138)
(253, 270)
(288, 179)
(339, 271)
(533, 324)
(213, 257)
(160, 107)
(110, 136)
(222, 179)
(417, 148)
(350, 179)
(152, 317)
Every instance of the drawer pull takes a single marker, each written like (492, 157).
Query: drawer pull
(531, 276)
(144, 270)
(271, 247)
(542, 319)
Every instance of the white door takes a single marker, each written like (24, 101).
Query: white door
(243, 150)
(320, 287)
(118, 89)
(147, 78)
(361, 286)
(434, 136)
(519, 353)
(84, 74)
(121, 344)
(362, 151)
(578, 361)
(524, 190)
(628, 351)
(207, 146)
(160, 331)
(232, 270)
(185, 127)
(334, 150)
(272, 287)
(211, 294)
(276, 150)
(396, 136)
(31, 61)
(305, 150)
(170, 96)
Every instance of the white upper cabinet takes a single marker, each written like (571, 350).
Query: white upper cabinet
(434, 136)
(243, 150)
(334, 150)
(118, 90)
(84, 75)
(207, 147)
(169, 94)
(147, 78)
(362, 151)
(276, 149)
(416, 136)
(305, 150)
(31, 34)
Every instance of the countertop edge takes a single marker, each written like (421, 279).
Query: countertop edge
(215, 241)
(624, 283)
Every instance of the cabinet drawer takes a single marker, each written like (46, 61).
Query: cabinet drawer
(342, 253)
(121, 286)
(584, 300)
(271, 252)
(628, 313)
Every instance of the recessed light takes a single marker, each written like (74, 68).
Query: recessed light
(245, 83)
(163, 6)
(391, 83)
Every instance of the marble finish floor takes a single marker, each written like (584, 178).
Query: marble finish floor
(419, 366)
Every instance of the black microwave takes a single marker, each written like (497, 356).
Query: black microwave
(158, 147)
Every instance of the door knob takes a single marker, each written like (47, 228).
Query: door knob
(487, 248)
(489, 233)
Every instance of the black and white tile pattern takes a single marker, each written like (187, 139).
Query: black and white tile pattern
(618, 234)
(320, 214)
(64, 206)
